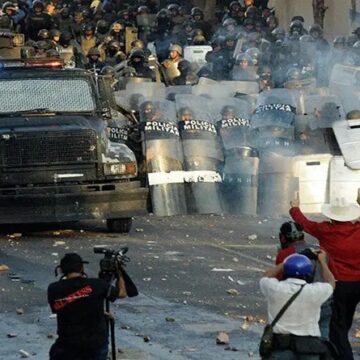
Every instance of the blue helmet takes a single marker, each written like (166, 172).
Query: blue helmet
(297, 266)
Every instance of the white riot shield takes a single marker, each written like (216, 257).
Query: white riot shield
(347, 133)
(345, 84)
(196, 54)
(163, 157)
(316, 115)
(202, 153)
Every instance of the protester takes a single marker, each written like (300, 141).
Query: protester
(297, 336)
(339, 237)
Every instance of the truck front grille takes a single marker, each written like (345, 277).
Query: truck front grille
(48, 148)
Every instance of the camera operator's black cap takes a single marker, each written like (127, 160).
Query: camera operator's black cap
(71, 259)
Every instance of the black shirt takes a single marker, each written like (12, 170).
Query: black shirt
(79, 305)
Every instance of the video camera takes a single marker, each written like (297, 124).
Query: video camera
(112, 262)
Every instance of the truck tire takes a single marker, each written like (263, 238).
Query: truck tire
(122, 225)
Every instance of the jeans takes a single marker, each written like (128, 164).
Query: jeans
(325, 317)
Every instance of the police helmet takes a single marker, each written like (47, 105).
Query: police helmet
(38, 4)
(293, 73)
(43, 34)
(8, 5)
(102, 25)
(252, 12)
(356, 45)
(88, 28)
(94, 51)
(249, 21)
(228, 22)
(174, 8)
(306, 39)
(185, 111)
(107, 71)
(291, 231)
(65, 38)
(143, 10)
(52, 53)
(114, 45)
(184, 66)
(117, 26)
(353, 115)
(278, 33)
(65, 12)
(296, 25)
(339, 41)
(139, 44)
(243, 57)
(147, 107)
(297, 266)
(137, 53)
(255, 55)
(176, 48)
(227, 109)
(298, 17)
(199, 40)
(54, 33)
(42, 45)
(128, 71)
(196, 11)
(315, 28)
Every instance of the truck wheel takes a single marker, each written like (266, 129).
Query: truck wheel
(122, 225)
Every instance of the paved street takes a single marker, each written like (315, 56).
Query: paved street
(184, 268)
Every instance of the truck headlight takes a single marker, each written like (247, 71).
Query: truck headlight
(128, 168)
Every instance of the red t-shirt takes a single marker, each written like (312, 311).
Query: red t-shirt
(340, 240)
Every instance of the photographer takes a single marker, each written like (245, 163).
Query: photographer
(292, 241)
(78, 302)
(297, 333)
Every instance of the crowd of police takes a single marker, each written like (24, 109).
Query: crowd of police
(243, 39)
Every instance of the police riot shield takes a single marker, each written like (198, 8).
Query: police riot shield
(242, 87)
(272, 127)
(163, 158)
(135, 93)
(172, 91)
(241, 161)
(345, 84)
(196, 54)
(347, 134)
(315, 117)
(202, 153)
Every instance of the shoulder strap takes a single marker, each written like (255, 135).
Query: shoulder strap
(285, 307)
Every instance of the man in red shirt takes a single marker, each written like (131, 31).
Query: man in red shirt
(340, 238)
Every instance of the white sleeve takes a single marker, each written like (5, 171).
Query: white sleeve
(320, 291)
(268, 284)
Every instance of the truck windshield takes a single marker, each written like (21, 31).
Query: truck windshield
(57, 95)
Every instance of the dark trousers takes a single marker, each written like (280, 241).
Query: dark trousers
(61, 352)
(346, 297)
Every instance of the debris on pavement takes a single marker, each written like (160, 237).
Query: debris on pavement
(24, 354)
(20, 311)
(146, 338)
(221, 270)
(15, 236)
(139, 230)
(3, 267)
(232, 292)
(170, 319)
(245, 326)
(252, 237)
(222, 338)
(11, 335)
(357, 334)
